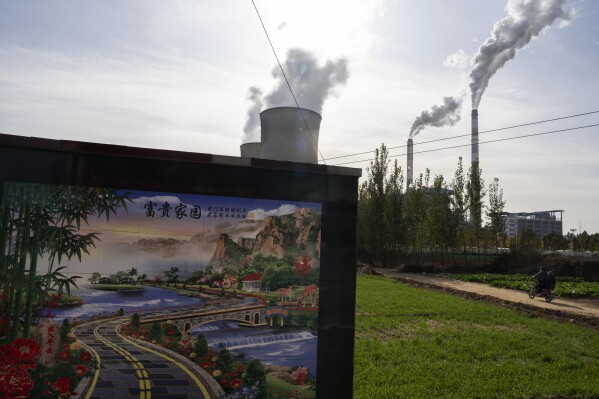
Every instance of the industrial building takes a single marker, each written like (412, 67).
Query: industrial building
(540, 222)
(287, 134)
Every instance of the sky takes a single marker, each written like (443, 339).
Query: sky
(185, 75)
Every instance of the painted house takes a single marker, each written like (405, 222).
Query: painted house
(229, 281)
(253, 282)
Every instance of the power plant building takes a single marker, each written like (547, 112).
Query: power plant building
(541, 223)
(287, 134)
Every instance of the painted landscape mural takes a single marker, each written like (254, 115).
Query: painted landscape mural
(118, 293)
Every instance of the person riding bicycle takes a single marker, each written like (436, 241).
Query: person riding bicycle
(541, 279)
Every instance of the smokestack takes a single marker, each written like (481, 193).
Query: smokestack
(410, 167)
(285, 136)
(474, 136)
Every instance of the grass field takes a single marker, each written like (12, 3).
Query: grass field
(417, 343)
(566, 286)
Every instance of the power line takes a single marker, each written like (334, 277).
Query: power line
(480, 142)
(467, 135)
(288, 85)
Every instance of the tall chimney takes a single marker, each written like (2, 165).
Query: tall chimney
(474, 136)
(410, 168)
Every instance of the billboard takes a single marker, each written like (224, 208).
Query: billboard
(179, 274)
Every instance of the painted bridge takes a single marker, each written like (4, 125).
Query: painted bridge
(187, 319)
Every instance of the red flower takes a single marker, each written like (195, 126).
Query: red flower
(15, 382)
(236, 384)
(205, 365)
(8, 353)
(62, 385)
(81, 370)
(64, 355)
(85, 356)
(224, 381)
(27, 348)
(240, 368)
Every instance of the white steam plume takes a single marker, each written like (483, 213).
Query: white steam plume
(447, 114)
(525, 20)
(251, 129)
(312, 84)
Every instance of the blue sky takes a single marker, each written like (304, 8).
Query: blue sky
(176, 74)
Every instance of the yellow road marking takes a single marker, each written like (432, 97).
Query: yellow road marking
(97, 373)
(144, 383)
(193, 376)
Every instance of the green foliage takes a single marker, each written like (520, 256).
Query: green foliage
(417, 343)
(566, 286)
(65, 328)
(255, 375)
(278, 274)
(201, 346)
(65, 369)
(135, 321)
(224, 361)
(121, 312)
(155, 332)
(42, 220)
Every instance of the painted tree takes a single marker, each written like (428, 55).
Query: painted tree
(301, 267)
(44, 221)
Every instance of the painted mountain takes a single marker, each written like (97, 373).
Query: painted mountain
(282, 236)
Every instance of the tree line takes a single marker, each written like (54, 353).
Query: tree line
(431, 215)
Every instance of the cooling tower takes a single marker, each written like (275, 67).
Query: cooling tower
(474, 136)
(285, 136)
(250, 150)
(410, 167)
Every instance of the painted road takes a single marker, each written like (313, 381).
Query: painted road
(130, 370)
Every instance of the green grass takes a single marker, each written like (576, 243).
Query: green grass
(566, 286)
(417, 343)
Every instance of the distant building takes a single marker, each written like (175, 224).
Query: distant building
(253, 282)
(540, 222)
(229, 281)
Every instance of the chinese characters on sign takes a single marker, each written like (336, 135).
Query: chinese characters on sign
(180, 211)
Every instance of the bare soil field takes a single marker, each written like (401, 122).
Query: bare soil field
(583, 312)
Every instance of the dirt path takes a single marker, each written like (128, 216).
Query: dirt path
(578, 311)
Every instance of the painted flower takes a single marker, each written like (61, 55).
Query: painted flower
(62, 385)
(205, 365)
(75, 346)
(26, 348)
(192, 355)
(15, 382)
(64, 355)
(236, 383)
(216, 373)
(85, 356)
(81, 370)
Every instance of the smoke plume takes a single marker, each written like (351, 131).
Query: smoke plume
(447, 114)
(252, 124)
(312, 84)
(525, 20)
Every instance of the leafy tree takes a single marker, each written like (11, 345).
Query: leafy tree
(495, 211)
(459, 203)
(475, 192)
(224, 361)
(255, 375)
(201, 346)
(301, 267)
(172, 275)
(155, 332)
(135, 321)
(277, 274)
(95, 277)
